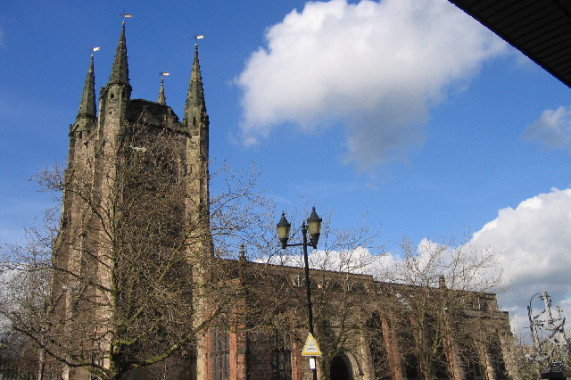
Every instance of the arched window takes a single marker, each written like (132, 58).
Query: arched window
(281, 364)
(220, 355)
(281, 358)
(495, 352)
(377, 346)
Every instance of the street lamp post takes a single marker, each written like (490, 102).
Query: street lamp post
(313, 226)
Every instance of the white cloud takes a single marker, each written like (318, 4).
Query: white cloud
(552, 129)
(359, 260)
(375, 67)
(534, 241)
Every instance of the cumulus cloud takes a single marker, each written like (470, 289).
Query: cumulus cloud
(552, 129)
(374, 67)
(534, 243)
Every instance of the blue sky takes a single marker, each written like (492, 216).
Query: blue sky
(408, 112)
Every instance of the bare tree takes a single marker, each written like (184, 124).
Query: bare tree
(277, 309)
(443, 323)
(432, 317)
(117, 288)
(521, 355)
(122, 289)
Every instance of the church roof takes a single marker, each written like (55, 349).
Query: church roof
(151, 113)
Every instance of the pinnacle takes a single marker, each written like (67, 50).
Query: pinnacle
(195, 96)
(161, 99)
(120, 69)
(87, 105)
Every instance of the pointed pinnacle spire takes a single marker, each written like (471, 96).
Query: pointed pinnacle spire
(161, 99)
(87, 104)
(120, 69)
(242, 256)
(195, 96)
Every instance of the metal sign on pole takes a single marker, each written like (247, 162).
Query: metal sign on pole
(311, 348)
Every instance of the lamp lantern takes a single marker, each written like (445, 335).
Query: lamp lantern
(314, 227)
(283, 227)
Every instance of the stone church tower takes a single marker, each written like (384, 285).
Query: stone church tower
(129, 138)
(95, 137)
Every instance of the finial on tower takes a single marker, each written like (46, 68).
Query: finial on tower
(93, 50)
(125, 16)
(196, 38)
(161, 99)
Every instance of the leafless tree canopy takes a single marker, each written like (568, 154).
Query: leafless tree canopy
(118, 284)
(119, 291)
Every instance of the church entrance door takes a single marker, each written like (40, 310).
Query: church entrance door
(340, 368)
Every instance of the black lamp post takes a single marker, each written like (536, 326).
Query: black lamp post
(313, 226)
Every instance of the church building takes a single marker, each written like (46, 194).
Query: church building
(138, 280)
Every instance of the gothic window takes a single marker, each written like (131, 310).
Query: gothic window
(483, 304)
(358, 288)
(334, 286)
(472, 369)
(495, 352)
(411, 367)
(410, 363)
(440, 364)
(220, 355)
(281, 364)
(439, 361)
(377, 347)
(470, 360)
(281, 359)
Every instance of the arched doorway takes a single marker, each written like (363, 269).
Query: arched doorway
(340, 368)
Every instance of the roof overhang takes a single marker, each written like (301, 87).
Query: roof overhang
(540, 29)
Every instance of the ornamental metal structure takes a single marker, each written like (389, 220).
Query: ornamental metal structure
(548, 334)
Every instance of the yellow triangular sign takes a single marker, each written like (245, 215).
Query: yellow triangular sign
(311, 348)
